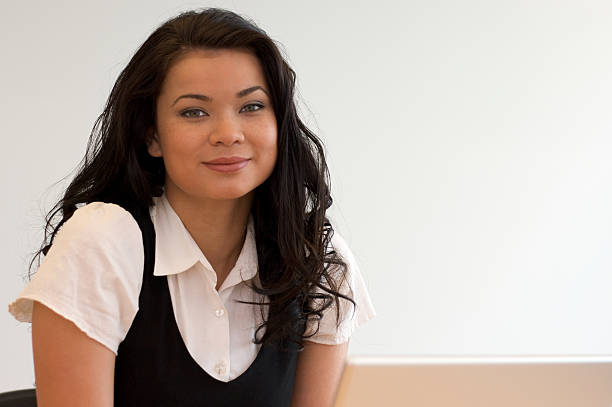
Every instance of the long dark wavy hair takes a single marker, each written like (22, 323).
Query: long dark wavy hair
(297, 263)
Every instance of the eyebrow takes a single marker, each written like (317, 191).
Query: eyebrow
(205, 98)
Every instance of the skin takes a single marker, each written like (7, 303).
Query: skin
(319, 368)
(71, 369)
(213, 206)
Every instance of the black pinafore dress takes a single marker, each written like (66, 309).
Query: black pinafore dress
(154, 368)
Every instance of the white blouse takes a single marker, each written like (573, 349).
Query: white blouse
(92, 276)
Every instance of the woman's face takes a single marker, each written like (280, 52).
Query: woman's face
(215, 125)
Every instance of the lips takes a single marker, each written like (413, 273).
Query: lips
(227, 164)
(226, 160)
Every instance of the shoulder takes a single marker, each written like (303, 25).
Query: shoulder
(99, 236)
(101, 219)
(102, 227)
(352, 314)
(343, 250)
(343, 276)
(92, 274)
(100, 241)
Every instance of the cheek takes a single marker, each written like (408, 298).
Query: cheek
(268, 145)
(178, 139)
(268, 136)
(179, 151)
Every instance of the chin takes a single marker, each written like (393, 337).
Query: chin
(224, 194)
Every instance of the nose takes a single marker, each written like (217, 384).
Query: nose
(226, 131)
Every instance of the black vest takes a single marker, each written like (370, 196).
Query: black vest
(154, 368)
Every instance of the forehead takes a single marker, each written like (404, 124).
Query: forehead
(212, 71)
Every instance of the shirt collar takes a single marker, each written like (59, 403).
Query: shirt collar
(176, 251)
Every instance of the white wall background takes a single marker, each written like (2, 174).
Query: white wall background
(469, 145)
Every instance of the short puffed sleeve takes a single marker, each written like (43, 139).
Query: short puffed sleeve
(91, 275)
(351, 317)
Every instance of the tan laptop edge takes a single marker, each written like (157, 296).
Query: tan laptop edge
(535, 381)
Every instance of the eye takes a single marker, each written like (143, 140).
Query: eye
(252, 107)
(193, 113)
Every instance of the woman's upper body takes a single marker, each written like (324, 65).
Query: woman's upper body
(203, 112)
(92, 276)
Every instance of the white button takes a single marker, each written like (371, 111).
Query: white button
(219, 312)
(220, 368)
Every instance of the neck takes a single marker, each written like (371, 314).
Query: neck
(217, 226)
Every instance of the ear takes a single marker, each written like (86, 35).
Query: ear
(153, 146)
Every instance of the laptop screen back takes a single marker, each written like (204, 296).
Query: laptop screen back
(476, 382)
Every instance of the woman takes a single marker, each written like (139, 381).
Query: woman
(200, 267)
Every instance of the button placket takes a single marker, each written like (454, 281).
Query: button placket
(221, 367)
